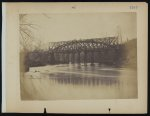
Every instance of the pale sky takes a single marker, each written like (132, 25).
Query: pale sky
(63, 27)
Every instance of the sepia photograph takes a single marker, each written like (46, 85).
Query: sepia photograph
(74, 57)
(78, 56)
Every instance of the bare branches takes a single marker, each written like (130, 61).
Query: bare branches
(46, 15)
(26, 32)
(33, 26)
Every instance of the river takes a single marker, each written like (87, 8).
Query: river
(78, 82)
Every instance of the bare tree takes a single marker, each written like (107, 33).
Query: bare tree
(28, 43)
(26, 36)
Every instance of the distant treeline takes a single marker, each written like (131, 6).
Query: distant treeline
(124, 56)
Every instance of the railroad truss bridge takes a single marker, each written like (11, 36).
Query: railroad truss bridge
(97, 50)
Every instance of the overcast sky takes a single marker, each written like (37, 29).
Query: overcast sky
(63, 27)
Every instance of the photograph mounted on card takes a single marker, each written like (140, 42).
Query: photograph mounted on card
(75, 57)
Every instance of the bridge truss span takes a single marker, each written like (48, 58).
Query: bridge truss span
(84, 50)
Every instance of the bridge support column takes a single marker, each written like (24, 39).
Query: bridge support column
(57, 58)
(100, 57)
(67, 58)
(106, 58)
(78, 58)
(118, 55)
(52, 58)
(60, 58)
(63, 58)
(92, 58)
(85, 58)
(73, 58)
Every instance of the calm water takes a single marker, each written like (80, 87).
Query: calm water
(74, 82)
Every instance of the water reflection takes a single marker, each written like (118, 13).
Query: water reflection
(85, 75)
(78, 82)
(81, 79)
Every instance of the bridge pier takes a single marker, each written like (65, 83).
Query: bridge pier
(92, 58)
(85, 58)
(67, 58)
(63, 58)
(78, 57)
(73, 58)
(60, 58)
(57, 58)
(100, 56)
(106, 58)
(52, 58)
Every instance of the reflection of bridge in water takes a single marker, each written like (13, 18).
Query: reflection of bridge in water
(98, 50)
